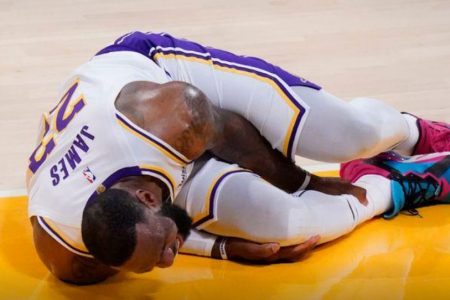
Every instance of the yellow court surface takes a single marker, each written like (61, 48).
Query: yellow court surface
(405, 258)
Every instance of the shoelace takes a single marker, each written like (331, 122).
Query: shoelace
(415, 191)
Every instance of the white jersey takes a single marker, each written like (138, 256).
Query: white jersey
(87, 144)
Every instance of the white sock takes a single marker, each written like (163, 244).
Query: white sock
(407, 146)
(378, 194)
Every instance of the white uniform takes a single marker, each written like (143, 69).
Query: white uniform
(101, 145)
(88, 145)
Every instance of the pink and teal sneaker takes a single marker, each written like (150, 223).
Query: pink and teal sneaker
(416, 181)
(433, 136)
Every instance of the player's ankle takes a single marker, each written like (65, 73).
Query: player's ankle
(406, 147)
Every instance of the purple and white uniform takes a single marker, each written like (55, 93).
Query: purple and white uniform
(86, 144)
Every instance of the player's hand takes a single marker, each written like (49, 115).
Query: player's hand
(337, 186)
(239, 249)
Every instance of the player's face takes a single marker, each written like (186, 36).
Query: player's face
(159, 239)
(157, 243)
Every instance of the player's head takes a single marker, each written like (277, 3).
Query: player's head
(130, 227)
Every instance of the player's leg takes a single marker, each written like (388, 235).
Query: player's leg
(364, 127)
(296, 116)
(278, 103)
(248, 86)
(337, 131)
(226, 200)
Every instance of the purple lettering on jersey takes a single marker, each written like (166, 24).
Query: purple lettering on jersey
(54, 175)
(36, 163)
(63, 168)
(80, 143)
(62, 119)
(72, 157)
(86, 133)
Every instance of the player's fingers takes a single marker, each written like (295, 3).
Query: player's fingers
(360, 194)
(294, 253)
(304, 248)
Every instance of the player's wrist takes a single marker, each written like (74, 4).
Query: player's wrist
(305, 184)
(221, 248)
(316, 182)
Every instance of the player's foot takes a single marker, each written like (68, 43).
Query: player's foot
(433, 136)
(415, 182)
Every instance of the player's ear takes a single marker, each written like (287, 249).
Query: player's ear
(148, 198)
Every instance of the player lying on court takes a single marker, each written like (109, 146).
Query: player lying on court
(137, 114)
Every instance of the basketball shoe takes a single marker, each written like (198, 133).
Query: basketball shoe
(416, 181)
(433, 136)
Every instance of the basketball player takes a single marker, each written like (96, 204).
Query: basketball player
(124, 122)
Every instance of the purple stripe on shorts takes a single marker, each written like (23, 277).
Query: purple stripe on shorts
(144, 43)
(150, 44)
(253, 71)
(212, 197)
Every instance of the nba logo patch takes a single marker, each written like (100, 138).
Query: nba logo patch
(87, 173)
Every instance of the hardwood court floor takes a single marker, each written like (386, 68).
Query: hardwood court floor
(405, 258)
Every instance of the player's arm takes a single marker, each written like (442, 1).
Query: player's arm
(238, 141)
(66, 265)
(206, 244)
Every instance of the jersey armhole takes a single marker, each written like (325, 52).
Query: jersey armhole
(61, 234)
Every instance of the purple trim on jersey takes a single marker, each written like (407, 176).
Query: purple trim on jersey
(212, 197)
(125, 172)
(171, 187)
(152, 139)
(60, 237)
(115, 177)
